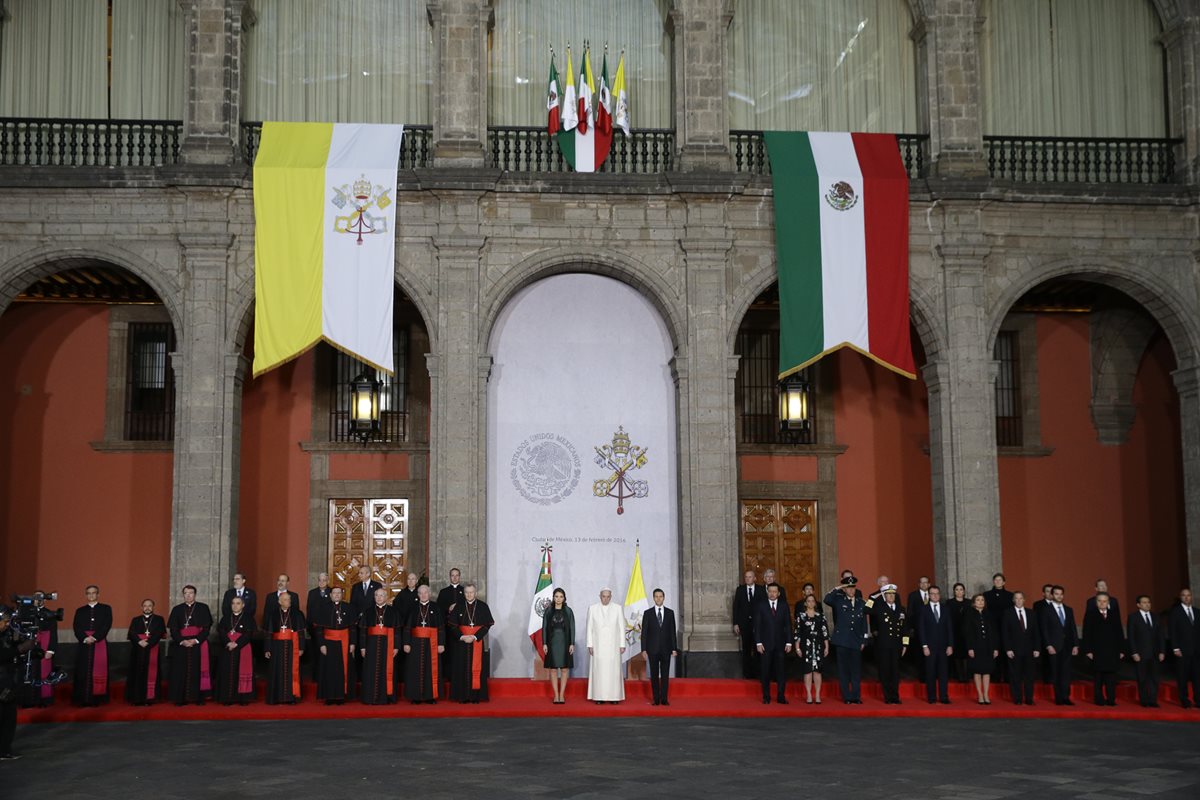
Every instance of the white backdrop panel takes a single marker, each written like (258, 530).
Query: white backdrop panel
(575, 358)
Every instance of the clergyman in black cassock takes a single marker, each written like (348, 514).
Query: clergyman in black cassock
(1104, 645)
(91, 625)
(1147, 647)
(448, 599)
(283, 628)
(336, 639)
(379, 640)
(235, 659)
(405, 599)
(470, 622)
(189, 624)
(145, 632)
(424, 637)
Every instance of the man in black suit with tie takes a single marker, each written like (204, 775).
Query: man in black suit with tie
(240, 589)
(1183, 628)
(1146, 648)
(659, 646)
(1022, 646)
(936, 630)
(362, 594)
(1060, 641)
(918, 599)
(745, 599)
(773, 640)
(1039, 608)
(271, 601)
(1104, 645)
(1102, 588)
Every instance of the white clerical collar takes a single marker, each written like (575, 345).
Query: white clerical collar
(93, 605)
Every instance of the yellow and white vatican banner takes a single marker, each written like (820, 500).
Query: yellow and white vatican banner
(324, 240)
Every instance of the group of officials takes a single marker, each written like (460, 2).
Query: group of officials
(993, 634)
(367, 647)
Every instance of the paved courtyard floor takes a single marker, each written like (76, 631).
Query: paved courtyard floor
(712, 759)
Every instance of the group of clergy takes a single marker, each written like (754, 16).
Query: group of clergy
(371, 647)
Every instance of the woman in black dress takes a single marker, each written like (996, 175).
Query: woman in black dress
(959, 604)
(983, 646)
(812, 644)
(558, 643)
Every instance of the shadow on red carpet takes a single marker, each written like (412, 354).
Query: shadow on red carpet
(689, 697)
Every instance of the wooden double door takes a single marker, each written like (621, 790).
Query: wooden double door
(370, 531)
(782, 535)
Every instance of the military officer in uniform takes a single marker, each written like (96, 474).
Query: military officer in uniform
(850, 636)
(891, 642)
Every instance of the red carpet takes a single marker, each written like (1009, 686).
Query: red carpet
(690, 697)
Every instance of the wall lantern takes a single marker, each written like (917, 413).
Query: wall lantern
(365, 391)
(795, 404)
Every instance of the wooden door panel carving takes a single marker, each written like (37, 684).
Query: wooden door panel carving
(781, 535)
(369, 531)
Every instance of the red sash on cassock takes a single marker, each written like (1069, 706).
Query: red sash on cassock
(99, 665)
(46, 691)
(431, 635)
(152, 670)
(294, 638)
(476, 652)
(343, 636)
(245, 666)
(193, 632)
(387, 633)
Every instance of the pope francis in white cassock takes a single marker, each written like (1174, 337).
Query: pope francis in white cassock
(606, 643)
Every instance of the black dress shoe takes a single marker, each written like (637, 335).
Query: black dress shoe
(945, 701)
(1068, 702)
(782, 701)
(654, 702)
(766, 701)
(665, 703)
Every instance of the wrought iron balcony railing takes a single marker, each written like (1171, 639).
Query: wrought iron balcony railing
(414, 146)
(749, 151)
(1066, 159)
(46, 142)
(528, 148)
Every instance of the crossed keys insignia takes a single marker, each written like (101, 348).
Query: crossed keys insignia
(360, 196)
(621, 457)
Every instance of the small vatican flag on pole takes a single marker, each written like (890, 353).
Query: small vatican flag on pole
(636, 604)
(325, 240)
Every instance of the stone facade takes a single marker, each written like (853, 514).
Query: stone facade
(698, 242)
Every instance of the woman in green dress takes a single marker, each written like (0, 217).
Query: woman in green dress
(558, 643)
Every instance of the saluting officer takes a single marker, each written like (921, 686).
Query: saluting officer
(850, 636)
(891, 625)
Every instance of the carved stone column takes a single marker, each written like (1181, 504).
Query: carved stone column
(962, 428)
(207, 426)
(948, 86)
(1187, 383)
(701, 111)
(212, 94)
(460, 99)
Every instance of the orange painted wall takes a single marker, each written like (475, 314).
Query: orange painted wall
(1091, 510)
(885, 510)
(274, 488)
(368, 466)
(69, 515)
(775, 468)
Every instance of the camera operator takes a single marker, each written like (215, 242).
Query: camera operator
(11, 648)
(47, 642)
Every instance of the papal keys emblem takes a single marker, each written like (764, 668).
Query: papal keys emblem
(622, 457)
(360, 197)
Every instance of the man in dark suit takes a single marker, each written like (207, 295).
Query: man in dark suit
(240, 589)
(271, 601)
(768, 579)
(917, 600)
(1039, 608)
(362, 594)
(1104, 645)
(1183, 628)
(998, 600)
(745, 599)
(1146, 648)
(773, 640)
(1060, 641)
(1114, 607)
(936, 630)
(659, 646)
(318, 596)
(1022, 646)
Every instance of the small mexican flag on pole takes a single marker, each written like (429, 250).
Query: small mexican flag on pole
(555, 121)
(543, 598)
(583, 132)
